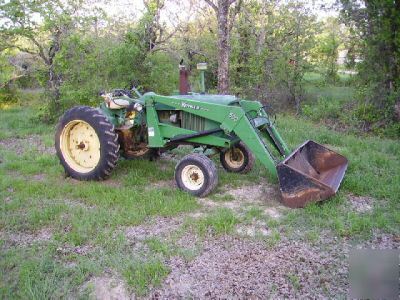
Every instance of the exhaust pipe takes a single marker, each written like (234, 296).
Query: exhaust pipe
(184, 86)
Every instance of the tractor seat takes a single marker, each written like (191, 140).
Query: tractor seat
(118, 104)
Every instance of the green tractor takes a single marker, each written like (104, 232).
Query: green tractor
(90, 140)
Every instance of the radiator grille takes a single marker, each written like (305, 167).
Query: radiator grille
(192, 122)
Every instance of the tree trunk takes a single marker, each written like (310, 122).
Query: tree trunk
(222, 11)
(54, 82)
(223, 46)
(53, 85)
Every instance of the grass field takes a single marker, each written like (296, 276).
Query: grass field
(136, 234)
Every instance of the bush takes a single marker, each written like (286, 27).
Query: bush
(9, 95)
(89, 65)
(324, 108)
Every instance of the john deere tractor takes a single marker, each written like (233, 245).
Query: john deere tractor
(89, 142)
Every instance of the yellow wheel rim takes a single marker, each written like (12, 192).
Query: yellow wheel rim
(234, 158)
(80, 146)
(192, 177)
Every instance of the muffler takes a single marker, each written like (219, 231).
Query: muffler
(311, 173)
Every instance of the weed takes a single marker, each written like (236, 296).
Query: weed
(157, 246)
(142, 275)
(294, 280)
(223, 197)
(273, 239)
(253, 213)
(221, 221)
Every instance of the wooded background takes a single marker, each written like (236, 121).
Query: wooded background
(278, 52)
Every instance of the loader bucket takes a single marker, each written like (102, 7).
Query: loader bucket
(310, 173)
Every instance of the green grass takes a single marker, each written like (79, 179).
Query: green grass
(294, 280)
(273, 239)
(220, 221)
(142, 275)
(18, 122)
(78, 214)
(330, 104)
(374, 170)
(253, 213)
(160, 247)
(94, 214)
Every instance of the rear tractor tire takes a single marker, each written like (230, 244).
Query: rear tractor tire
(196, 174)
(86, 144)
(237, 159)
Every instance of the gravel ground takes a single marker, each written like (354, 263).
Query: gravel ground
(231, 267)
(238, 268)
(153, 228)
(263, 196)
(23, 239)
(22, 145)
(361, 204)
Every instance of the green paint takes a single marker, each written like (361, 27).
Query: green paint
(240, 120)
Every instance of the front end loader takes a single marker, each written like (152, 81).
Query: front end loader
(89, 142)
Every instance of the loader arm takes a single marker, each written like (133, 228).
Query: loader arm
(310, 173)
(233, 120)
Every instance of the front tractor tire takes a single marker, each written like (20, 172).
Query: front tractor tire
(196, 174)
(86, 144)
(237, 159)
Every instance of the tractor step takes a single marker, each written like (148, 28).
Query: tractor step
(310, 173)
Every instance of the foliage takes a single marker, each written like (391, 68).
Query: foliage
(374, 25)
(8, 95)
(91, 64)
(325, 53)
(39, 28)
(8, 90)
(270, 55)
(273, 46)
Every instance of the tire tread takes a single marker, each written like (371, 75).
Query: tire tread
(107, 136)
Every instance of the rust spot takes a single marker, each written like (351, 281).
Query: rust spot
(131, 143)
(81, 146)
(311, 173)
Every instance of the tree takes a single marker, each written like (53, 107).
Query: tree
(39, 28)
(271, 45)
(225, 22)
(326, 50)
(376, 23)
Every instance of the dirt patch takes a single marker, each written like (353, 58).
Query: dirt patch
(21, 145)
(81, 249)
(274, 212)
(155, 227)
(112, 183)
(176, 154)
(382, 241)
(23, 239)
(39, 177)
(264, 196)
(230, 267)
(71, 180)
(78, 204)
(108, 287)
(162, 185)
(361, 204)
(252, 230)
(8, 199)
(196, 215)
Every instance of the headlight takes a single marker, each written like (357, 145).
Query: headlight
(138, 107)
(107, 97)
